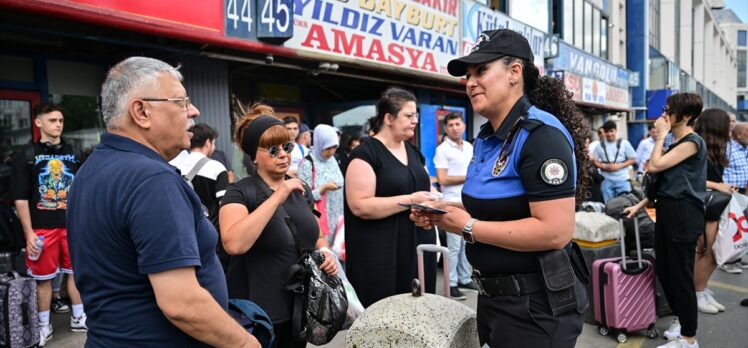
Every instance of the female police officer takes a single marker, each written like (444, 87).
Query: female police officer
(518, 199)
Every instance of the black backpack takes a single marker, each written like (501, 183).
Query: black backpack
(614, 208)
(11, 231)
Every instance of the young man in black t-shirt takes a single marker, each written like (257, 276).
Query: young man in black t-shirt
(40, 181)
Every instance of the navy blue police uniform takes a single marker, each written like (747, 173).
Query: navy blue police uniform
(530, 158)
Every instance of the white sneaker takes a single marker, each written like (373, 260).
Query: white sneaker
(731, 268)
(45, 334)
(742, 264)
(673, 332)
(712, 301)
(703, 304)
(680, 342)
(78, 324)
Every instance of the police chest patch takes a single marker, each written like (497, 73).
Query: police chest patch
(554, 172)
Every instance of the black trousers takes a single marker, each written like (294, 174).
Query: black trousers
(525, 321)
(679, 225)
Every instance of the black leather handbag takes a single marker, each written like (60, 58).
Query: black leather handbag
(716, 202)
(320, 303)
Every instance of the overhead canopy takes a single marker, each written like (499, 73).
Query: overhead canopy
(354, 117)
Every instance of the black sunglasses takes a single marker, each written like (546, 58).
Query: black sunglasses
(274, 150)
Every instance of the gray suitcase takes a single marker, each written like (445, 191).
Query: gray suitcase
(18, 323)
(418, 319)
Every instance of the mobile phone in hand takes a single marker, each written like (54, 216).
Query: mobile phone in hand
(423, 208)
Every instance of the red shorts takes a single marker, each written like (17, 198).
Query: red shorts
(55, 255)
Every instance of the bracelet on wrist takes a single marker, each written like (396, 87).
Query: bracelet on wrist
(325, 249)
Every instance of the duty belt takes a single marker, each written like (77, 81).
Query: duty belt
(508, 285)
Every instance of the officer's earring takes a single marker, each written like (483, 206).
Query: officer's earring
(514, 82)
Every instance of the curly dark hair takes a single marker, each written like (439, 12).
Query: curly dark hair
(713, 125)
(550, 94)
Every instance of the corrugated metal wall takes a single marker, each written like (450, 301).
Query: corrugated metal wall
(207, 84)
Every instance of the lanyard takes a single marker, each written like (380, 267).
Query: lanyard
(500, 164)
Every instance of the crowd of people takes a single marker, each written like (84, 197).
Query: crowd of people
(163, 233)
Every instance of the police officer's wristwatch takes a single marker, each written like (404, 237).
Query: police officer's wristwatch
(467, 231)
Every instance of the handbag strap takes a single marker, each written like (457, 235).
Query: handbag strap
(286, 218)
(199, 165)
(314, 172)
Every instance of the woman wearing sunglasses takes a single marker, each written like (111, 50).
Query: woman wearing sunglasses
(681, 187)
(257, 216)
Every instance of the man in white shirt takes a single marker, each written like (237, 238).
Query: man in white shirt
(451, 162)
(596, 143)
(613, 157)
(209, 177)
(298, 153)
(644, 151)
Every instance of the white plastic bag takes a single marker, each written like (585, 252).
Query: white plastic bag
(732, 238)
(338, 244)
(355, 307)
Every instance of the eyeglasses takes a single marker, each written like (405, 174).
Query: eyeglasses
(274, 150)
(666, 109)
(412, 115)
(178, 101)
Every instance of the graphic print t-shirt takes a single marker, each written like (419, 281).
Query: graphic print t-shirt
(44, 180)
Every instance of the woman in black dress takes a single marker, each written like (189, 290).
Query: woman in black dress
(386, 170)
(256, 218)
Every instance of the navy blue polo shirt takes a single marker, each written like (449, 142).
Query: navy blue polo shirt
(131, 214)
(540, 166)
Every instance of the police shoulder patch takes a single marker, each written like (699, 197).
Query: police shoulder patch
(554, 172)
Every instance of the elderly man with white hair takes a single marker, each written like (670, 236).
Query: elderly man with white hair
(147, 268)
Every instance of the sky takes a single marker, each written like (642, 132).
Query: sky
(740, 7)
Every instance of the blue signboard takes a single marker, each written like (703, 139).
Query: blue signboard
(583, 64)
(430, 129)
(656, 100)
(239, 19)
(275, 19)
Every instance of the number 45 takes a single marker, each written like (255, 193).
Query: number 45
(268, 15)
(243, 16)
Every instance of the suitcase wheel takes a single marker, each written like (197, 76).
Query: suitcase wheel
(621, 337)
(652, 332)
(603, 330)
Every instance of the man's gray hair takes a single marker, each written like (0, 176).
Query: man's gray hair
(127, 78)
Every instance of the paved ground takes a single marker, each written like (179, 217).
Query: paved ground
(725, 330)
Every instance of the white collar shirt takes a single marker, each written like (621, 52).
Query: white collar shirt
(455, 160)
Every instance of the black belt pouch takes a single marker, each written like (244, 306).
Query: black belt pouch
(559, 280)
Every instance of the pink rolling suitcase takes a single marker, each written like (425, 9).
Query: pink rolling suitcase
(624, 293)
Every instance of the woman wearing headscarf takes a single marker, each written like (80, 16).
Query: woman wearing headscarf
(320, 170)
(257, 216)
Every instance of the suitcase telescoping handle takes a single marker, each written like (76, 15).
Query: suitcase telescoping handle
(623, 244)
(445, 256)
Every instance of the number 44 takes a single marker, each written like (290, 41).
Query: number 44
(244, 16)
(268, 15)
